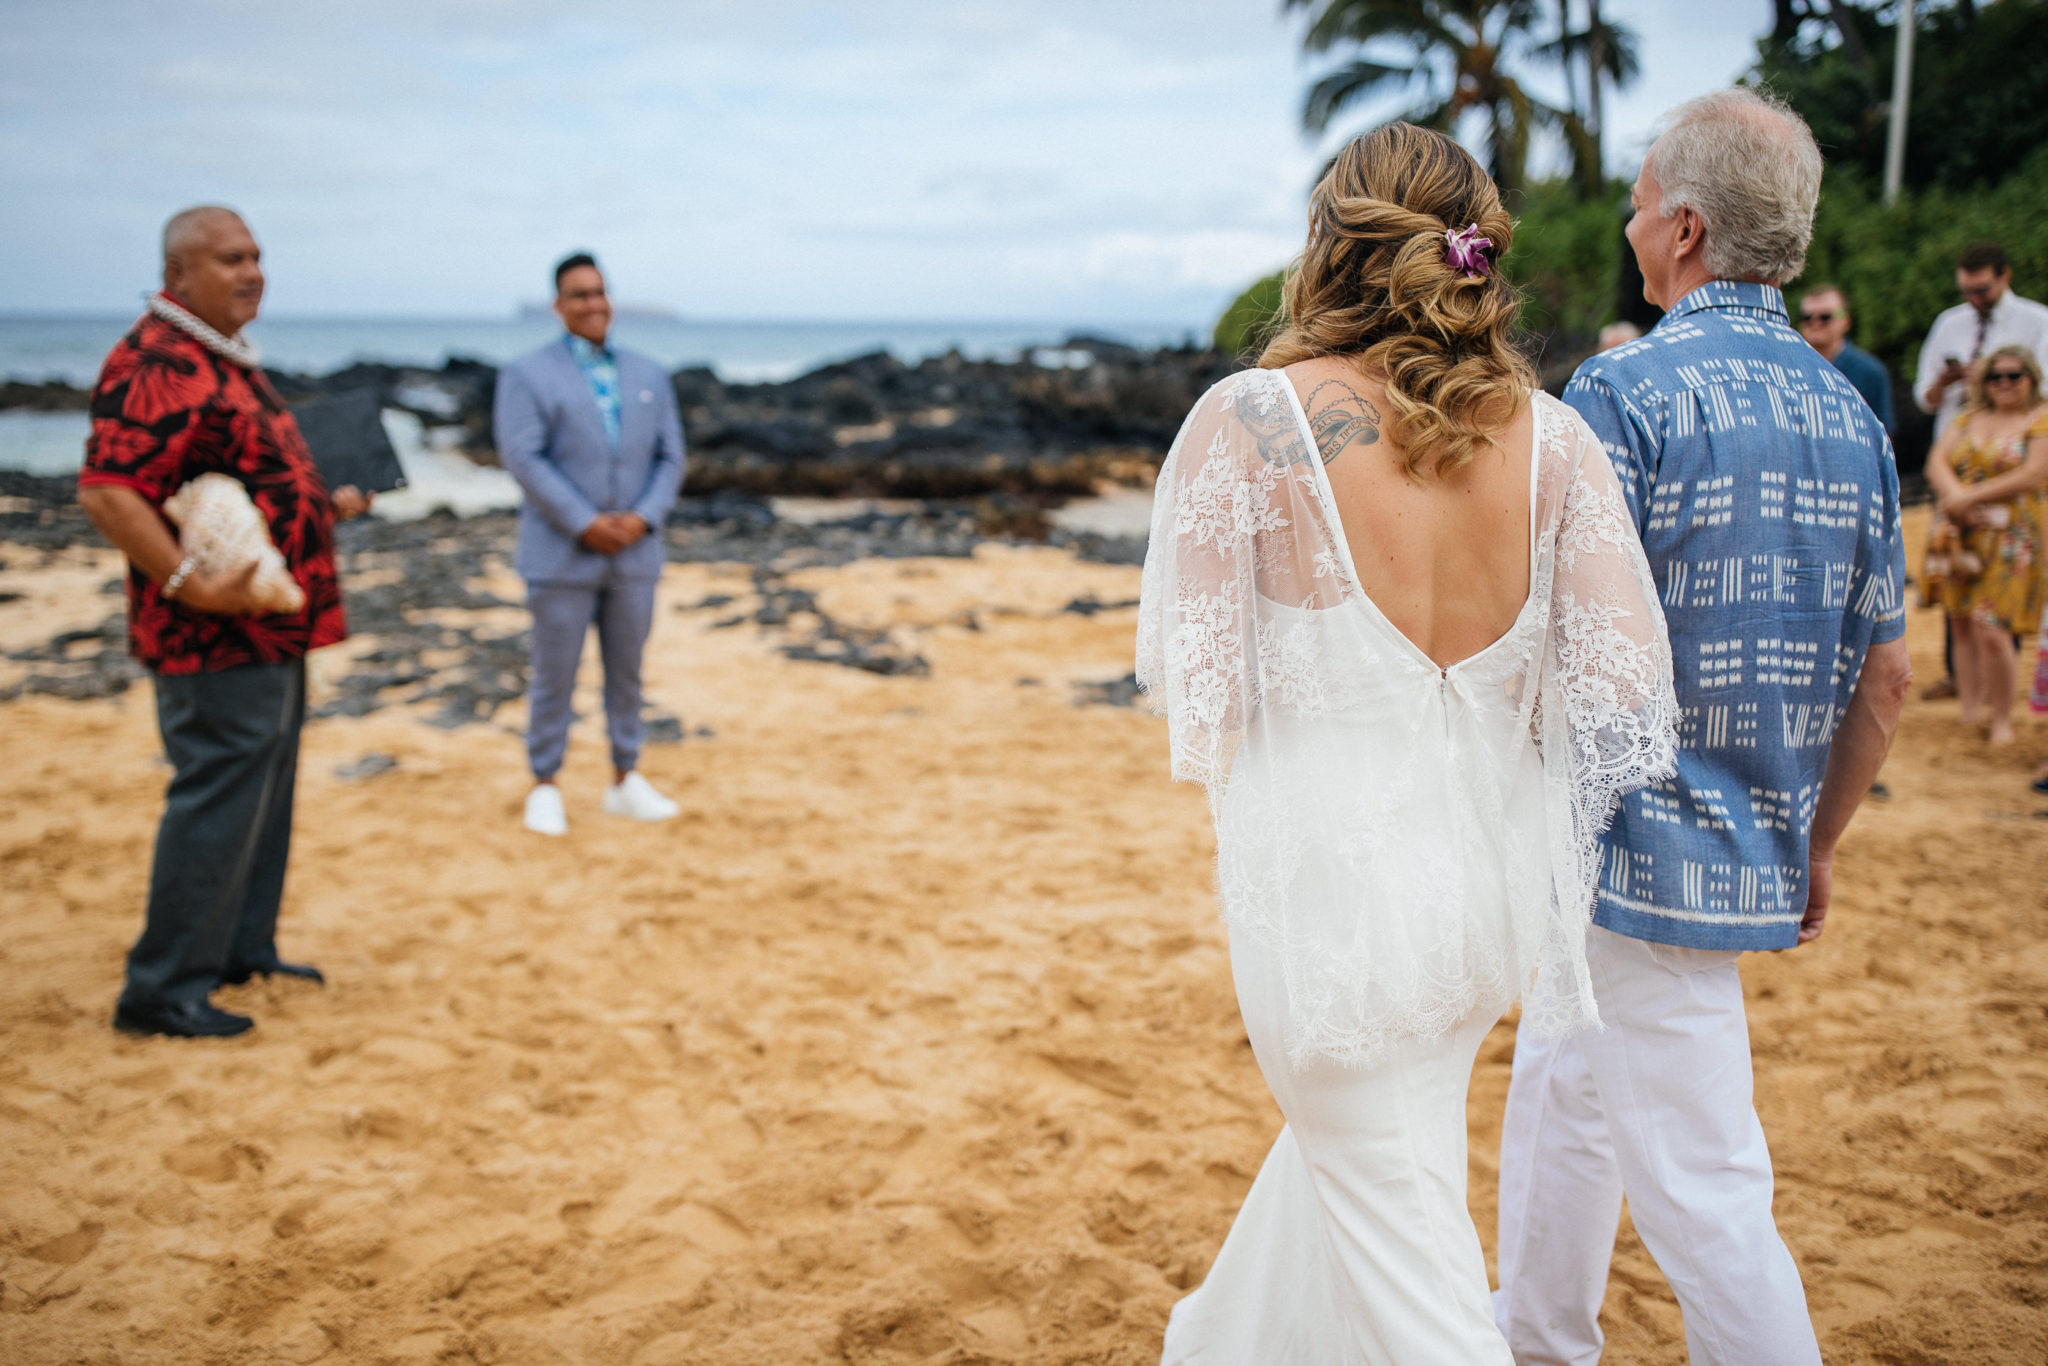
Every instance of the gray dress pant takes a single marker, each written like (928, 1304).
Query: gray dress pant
(623, 612)
(233, 741)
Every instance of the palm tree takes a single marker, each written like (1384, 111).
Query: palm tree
(1607, 52)
(1456, 51)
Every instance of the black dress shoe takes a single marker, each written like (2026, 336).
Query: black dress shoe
(181, 1020)
(306, 972)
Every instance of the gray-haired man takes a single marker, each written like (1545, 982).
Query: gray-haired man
(182, 396)
(591, 433)
(1764, 491)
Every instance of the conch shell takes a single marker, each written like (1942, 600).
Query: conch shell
(219, 527)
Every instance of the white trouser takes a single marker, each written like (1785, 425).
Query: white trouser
(1658, 1105)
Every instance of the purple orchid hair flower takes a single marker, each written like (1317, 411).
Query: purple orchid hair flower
(1469, 251)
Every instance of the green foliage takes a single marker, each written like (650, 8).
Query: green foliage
(1976, 160)
(1897, 264)
(1978, 106)
(1252, 318)
(1566, 256)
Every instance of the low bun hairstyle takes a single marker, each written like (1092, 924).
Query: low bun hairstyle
(1373, 284)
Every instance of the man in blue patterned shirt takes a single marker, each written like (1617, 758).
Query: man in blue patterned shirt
(1765, 493)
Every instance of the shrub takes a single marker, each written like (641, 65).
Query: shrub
(1567, 256)
(1252, 318)
(1897, 263)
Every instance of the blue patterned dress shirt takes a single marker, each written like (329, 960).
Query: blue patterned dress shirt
(1767, 500)
(601, 372)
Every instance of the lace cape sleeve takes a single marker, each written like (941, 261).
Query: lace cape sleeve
(1606, 713)
(1235, 518)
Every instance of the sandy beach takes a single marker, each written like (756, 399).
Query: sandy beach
(911, 1041)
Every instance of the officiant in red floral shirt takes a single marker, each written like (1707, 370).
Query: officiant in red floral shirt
(179, 396)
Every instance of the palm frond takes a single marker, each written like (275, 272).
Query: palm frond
(1508, 132)
(1621, 56)
(1624, 54)
(1539, 112)
(1340, 22)
(1348, 84)
(1513, 16)
(1588, 174)
(1439, 115)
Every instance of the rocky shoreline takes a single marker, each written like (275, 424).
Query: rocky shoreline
(400, 579)
(967, 451)
(1052, 424)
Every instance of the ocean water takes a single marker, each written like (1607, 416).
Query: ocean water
(71, 349)
(42, 443)
(436, 474)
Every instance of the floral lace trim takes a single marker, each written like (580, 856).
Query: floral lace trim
(1214, 655)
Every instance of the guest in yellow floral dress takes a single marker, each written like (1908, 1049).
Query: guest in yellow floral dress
(1984, 561)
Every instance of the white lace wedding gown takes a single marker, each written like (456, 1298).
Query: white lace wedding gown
(1400, 848)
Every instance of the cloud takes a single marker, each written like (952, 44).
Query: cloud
(1165, 263)
(1067, 160)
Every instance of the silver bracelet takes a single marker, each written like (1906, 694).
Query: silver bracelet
(178, 576)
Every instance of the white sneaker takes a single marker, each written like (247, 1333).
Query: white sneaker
(544, 814)
(636, 797)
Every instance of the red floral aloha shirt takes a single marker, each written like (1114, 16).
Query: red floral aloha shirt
(166, 410)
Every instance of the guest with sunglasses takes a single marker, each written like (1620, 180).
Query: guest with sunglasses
(1824, 321)
(1984, 560)
(1990, 316)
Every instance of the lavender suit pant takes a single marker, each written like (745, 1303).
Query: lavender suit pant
(623, 611)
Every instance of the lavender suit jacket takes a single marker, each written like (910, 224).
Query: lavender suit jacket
(552, 439)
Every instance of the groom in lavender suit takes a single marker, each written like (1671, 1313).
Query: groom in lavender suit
(591, 433)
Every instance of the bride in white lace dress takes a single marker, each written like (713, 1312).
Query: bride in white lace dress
(1399, 622)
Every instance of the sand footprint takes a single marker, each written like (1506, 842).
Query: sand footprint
(1112, 1078)
(67, 1248)
(710, 1227)
(203, 1160)
(1083, 1295)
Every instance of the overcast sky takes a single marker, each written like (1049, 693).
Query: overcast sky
(1058, 160)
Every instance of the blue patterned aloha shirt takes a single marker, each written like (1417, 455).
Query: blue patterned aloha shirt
(601, 371)
(1767, 500)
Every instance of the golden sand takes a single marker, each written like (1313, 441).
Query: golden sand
(911, 1040)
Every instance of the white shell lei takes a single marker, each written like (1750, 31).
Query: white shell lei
(235, 348)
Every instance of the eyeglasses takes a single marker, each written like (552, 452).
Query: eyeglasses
(1807, 319)
(2005, 376)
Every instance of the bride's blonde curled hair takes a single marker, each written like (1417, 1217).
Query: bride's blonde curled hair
(1374, 284)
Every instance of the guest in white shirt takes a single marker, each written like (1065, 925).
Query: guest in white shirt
(1989, 317)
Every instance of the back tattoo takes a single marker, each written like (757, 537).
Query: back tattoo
(1340, 417)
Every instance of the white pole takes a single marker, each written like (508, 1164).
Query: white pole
(1902, 92)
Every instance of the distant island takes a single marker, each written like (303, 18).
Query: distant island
(638, 313)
